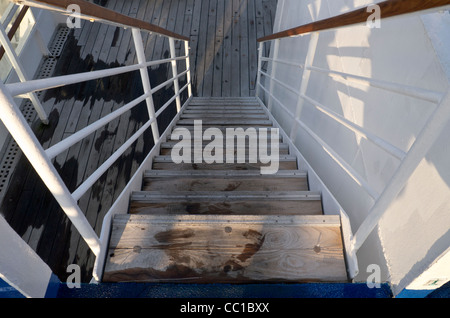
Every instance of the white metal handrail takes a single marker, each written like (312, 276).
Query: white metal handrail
(19, 89)
(409, 160)
(41, 159)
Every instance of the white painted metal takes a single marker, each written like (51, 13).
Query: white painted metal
(360, 131)
(89, 182)
(276, 49)
(305, 80)
(19, 89)
(188, 68)
(140, 54)
(20, 266)
(6, 19)
(406, 90)
(330, 204)
(171, 100)
(282, 61)
(421, 146)
(329, 150)
(258, 75)
(176, 85)
(27, 141)
(17, 65)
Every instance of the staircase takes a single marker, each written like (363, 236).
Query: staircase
(225, 222)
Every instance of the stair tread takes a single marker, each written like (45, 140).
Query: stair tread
(210, 180)
(225, 249)
(222, 195)
(228, 203)
(224, 174)
(241, 116)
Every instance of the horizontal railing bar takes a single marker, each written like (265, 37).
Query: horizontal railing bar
(292, 63)
(388, 9)
(170, 80)
(89, 182)
(420, 93)
(86, 131)
(383, 144)
(163, 108)
(18, 89)
(293, 90)
(335, 156)
(101, 14)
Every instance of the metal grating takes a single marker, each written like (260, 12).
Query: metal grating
(12, 152)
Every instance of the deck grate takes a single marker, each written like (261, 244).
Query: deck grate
(12, 152)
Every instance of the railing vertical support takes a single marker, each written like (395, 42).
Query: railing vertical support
(276, 49)
(138, 43)
(424, 141)
(188, 67)
(20, 130)
(305, 81)
(16, 64)
(176, 85)
(258, 75)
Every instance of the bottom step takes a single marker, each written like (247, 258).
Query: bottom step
(225, 249)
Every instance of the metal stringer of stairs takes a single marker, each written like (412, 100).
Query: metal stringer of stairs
(225, 223)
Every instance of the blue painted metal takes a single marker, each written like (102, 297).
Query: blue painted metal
(53, 287)
(7, 291)
(245, 291)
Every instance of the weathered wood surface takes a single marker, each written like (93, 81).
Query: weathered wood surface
(227, 203)
(224, 249)
(286, 162)
(167, 147)
(223, 181)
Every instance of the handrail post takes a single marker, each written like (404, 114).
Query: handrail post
(188, 67)
(140, 53)
(305, 81)
(176, 85)
(258, 75)
(15, 62)
(276, 50)
(19, 129)
(424, 141)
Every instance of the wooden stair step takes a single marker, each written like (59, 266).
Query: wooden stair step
(223, 129)
(225, 108)
(224, 111)
(224, 102)
(252, 180)
(227, 122)
(166, 148)
(286, 162)
(228, 203)
(240, 116)
(225, 249)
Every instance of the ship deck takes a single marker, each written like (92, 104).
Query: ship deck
(223, 63)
